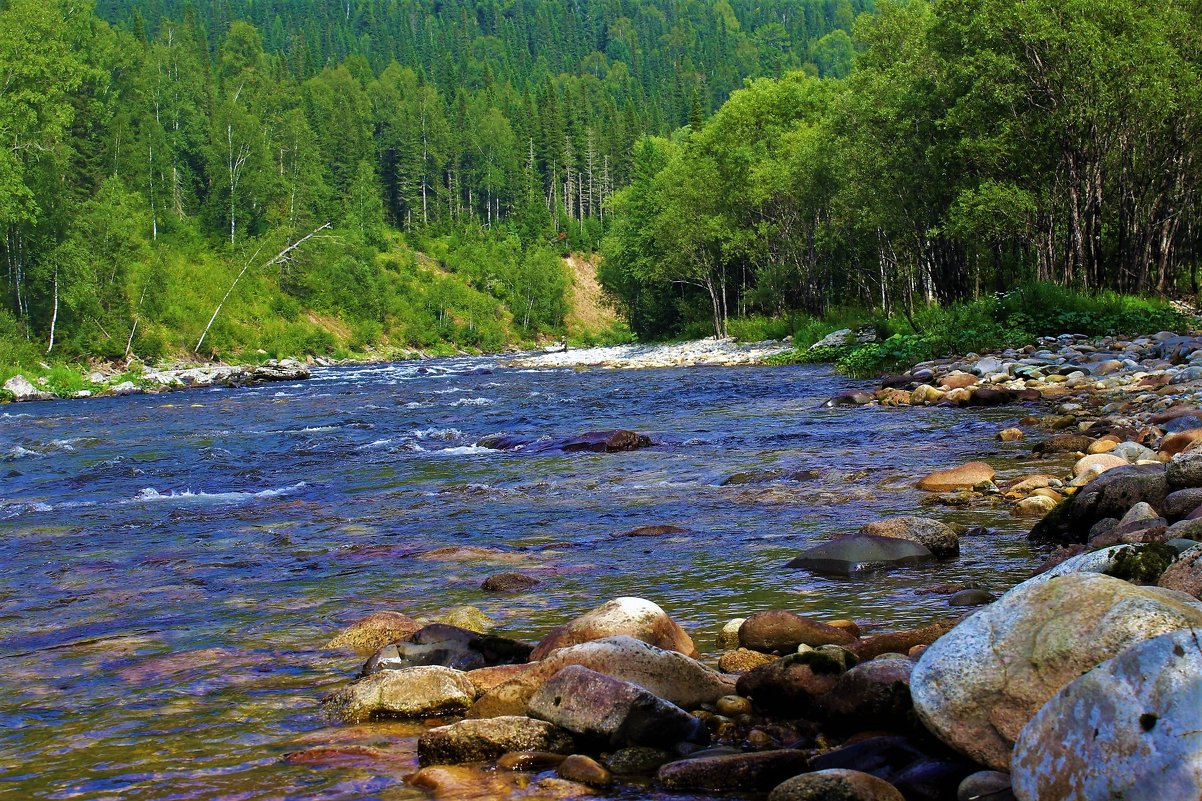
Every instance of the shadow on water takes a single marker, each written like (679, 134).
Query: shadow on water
(174, 563)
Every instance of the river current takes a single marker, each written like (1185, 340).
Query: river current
(173, 564)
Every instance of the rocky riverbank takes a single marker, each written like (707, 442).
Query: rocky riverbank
(1062, 687)
(154, 380)
(714, 352)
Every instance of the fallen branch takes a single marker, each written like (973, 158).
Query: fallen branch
(279, 258)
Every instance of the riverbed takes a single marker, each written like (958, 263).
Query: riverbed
(173, 564)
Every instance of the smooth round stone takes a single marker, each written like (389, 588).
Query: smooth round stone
(584, 769)
(971, 597)
(985, 785)
(637, 761)
(733, 705)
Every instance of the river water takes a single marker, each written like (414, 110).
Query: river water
(173, 564)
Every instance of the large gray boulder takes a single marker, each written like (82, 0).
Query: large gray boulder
(978, 685)
(22, 390)
(1129, 729)
(606, 710)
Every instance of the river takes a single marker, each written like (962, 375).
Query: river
(172, 564)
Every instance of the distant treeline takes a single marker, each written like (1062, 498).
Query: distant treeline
(150, 157)
(976, 145)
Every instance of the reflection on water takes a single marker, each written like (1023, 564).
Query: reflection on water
(173, 563)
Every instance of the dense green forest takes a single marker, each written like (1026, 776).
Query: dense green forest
(281, 178)
(302, 177)
(977, 145)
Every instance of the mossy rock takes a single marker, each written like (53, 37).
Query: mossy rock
(1142, 564)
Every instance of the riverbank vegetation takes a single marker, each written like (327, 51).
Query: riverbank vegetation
(295, 178)
(992, 322)
(200, 179)
(976, 146)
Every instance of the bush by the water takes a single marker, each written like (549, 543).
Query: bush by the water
(990, 323)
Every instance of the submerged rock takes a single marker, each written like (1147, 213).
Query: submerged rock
(861, 553)
(509, 582)
(965, 476)
(369, 634)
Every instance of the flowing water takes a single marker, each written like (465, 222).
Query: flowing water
(173, 564)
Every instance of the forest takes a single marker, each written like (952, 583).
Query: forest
(244, 179)
(167, 159)
(977, 146)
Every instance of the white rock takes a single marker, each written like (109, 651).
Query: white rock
(1129, 729)
(979, 684)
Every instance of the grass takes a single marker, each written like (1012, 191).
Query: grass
(989, 323)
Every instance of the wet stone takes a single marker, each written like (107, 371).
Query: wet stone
(759, 771)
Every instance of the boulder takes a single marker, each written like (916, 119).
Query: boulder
(1131, 728)
(631, 617)
(280, 370)
(872, 695)
(1182, 502)
(1109, 495)
(1177, 442)
(1034, 506)
(1184, 574)
(1184, 471)
(603, 442)
(977, 686)
(940, 538)
(367, 635)
(985, 785)
(789, 685)
(411, 693)
(21, 390)
(728, 635)
(861, 553)
(488, 739)
(612, 712)
(835, 784)
(449, 646)
(745, 773)
(1011, 435)
(670, 675)
(781, 631)
(965, 476)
